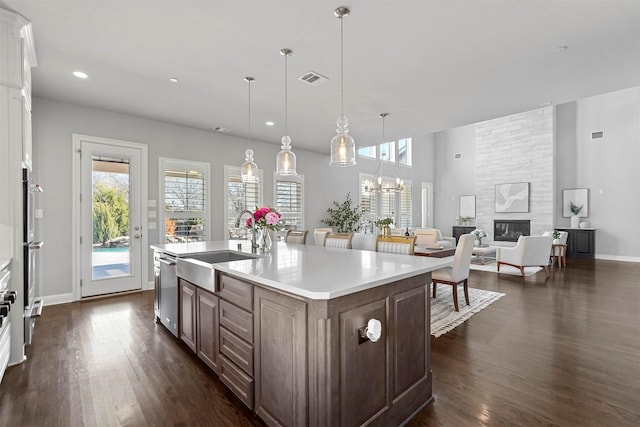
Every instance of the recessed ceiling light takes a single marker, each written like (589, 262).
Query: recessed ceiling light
(80, 74)
(173, 80)
(269, 123)
(560, 49)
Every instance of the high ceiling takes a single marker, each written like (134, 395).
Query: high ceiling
(432, 65)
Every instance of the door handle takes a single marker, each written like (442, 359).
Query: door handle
(137, 236)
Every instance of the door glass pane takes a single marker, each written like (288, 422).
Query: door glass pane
(111, 253)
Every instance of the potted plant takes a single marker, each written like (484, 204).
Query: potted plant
(479, 235)
(343, 216)
(556, 237)
(575, 210)
(383, 224)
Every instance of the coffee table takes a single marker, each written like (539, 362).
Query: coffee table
(436, 253)
(483, 251)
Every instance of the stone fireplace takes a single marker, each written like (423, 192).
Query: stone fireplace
(508, 230)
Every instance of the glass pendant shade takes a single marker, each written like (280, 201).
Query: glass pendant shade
(286, 159)
(249, 170)
(343, 146)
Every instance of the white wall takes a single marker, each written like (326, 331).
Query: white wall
(54, 123)
(609, 168)
(454, 178)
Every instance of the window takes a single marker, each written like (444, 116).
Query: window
(184, 193)
(367, 152)
(398, 206)
(406, 206)
(388, 151)
(239, 196)
(404, 151)
(289, 192)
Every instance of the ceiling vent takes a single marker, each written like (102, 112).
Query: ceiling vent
(457, 156)
(597, 135)
(313, 78)
(221, 129)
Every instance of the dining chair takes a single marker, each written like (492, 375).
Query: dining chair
(338, 240)
(458, 272)
(296, 236)
(395, 244)
(319, 234)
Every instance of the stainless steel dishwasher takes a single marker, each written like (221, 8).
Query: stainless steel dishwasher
(166, 287)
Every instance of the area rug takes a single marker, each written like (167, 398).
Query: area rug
(504, 269)
(443, 316)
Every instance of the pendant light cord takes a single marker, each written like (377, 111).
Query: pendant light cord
(286, 94)
(341, 67)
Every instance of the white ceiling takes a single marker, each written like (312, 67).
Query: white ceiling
(432, 65)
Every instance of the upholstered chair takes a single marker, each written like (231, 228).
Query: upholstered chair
(296, 236)
(459, 272)
(396, 244)
(319, 234)
(431, 237)
(529, 251)
(338, 240)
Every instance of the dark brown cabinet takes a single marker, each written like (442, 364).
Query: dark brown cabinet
(581, 243)
(304, 362)
(208, 329)
(187, 317)
(281, 358)
(459, 230)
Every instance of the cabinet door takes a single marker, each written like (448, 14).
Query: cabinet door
(583, 243)
(280, 358)
(188, 314)
(208, 342)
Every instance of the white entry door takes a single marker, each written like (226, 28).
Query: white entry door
(111, 228)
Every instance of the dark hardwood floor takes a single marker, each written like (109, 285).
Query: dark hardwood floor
(558, 352)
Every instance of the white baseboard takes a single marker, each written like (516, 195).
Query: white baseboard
(57, 299)
(618, 258)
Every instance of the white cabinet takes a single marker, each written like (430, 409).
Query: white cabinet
(17, 56)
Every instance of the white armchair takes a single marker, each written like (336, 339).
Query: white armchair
(529, 251)
(433, 237)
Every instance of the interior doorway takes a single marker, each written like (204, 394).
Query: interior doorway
(427, 204)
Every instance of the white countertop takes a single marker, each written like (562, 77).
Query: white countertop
(314, 272)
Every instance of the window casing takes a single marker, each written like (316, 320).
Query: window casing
(289, 200)
(184, 197)
(370, 152)
(404, 151)
(238, 197)
(399, 152)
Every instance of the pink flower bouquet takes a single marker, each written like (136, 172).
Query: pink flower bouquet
(266, 217)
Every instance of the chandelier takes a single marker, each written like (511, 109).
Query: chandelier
(380, 184)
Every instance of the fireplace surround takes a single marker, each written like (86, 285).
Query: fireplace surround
(508, 230)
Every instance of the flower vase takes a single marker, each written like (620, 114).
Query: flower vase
(264, 240)
(386, 230)
(575, 221)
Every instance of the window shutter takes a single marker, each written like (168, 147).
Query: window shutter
(289, 202)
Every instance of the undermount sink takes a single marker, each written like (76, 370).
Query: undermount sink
(199, 268)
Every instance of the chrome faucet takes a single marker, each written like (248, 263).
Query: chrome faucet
(254, 244)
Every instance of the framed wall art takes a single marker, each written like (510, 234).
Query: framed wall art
(512, 197)
(468, 206)
(579, 197)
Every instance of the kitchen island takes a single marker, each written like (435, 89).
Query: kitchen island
(306, 335)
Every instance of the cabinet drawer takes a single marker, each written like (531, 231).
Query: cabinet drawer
(237, 320)
(240, 383)
(237, 350)
(236, 291)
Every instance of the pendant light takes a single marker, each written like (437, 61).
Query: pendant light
(286, 159)
(343, 147)
(380, 185)
(249, 170)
